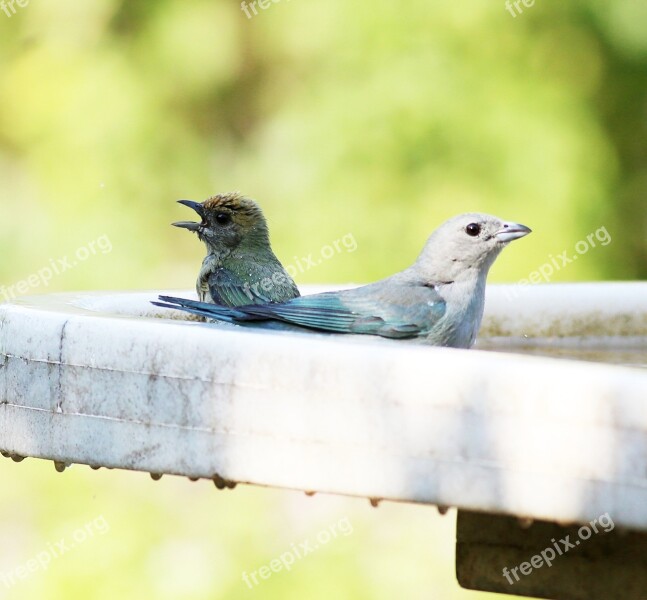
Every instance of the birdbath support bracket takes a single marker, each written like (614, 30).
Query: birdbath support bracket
(541, 559)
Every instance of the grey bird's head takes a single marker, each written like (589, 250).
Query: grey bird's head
(228, 221)
(465, 244)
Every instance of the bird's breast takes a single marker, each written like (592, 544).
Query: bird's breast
(464, 301)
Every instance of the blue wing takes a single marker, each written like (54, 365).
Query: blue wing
(392, 311)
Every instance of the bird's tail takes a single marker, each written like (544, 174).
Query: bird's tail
(203, 309)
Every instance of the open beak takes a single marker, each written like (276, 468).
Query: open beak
(511, 231)
(191, 225)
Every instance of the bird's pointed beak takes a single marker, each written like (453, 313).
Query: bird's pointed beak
(191, 225)
(196, 206)
(511, 231)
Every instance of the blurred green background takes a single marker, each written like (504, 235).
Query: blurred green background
(376, 120)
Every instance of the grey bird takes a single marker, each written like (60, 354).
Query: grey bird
(240, 267)
(439, 300)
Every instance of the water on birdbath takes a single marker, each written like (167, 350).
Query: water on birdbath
(627, 357)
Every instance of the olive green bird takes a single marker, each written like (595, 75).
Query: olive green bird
(240, 268)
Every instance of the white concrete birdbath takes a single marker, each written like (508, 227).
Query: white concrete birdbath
(106, 379)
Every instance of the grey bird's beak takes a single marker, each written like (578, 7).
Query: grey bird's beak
(511, 231)
(191, 225)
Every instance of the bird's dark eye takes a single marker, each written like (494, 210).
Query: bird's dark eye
(223, 218)
(473, 229)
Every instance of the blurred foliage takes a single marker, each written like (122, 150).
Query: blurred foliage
(174, 539)
(379, 120)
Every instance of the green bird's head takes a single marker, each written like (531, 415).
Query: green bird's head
(228, 221)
